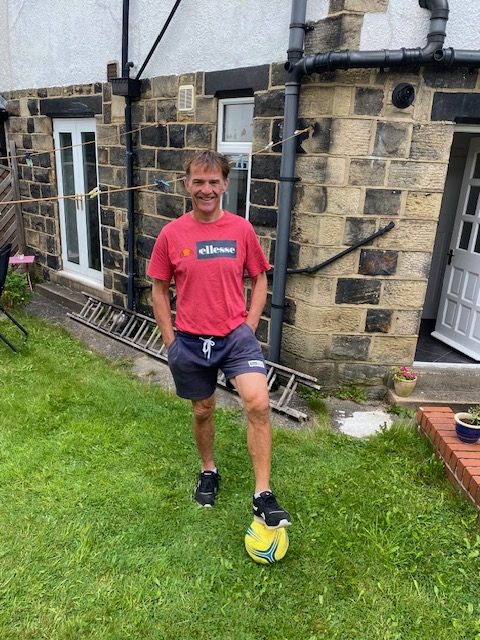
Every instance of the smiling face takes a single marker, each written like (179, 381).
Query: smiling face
(206, 186)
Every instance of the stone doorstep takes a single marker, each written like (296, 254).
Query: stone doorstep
(462, 461)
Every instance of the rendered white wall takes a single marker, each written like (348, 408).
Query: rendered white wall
(61, 42)
(405, 24)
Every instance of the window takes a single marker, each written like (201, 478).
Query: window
(235, 132)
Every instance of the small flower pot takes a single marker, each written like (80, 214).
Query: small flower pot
(466, 432)
(404, 388)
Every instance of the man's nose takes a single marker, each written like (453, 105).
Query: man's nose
(207, 188)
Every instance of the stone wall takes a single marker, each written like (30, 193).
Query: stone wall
(364, 164)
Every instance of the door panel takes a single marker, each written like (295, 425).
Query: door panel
(76, 160)
(459, 310)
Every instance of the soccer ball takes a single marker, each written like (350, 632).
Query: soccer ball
(266, 546)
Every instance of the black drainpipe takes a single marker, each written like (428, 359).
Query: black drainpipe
(297, 67)
(126, 65)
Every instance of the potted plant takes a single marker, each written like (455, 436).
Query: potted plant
(404, 380)
(467, 424)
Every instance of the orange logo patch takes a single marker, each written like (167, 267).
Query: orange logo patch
(186, 252)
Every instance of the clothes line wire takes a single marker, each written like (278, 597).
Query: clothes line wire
(158, 184)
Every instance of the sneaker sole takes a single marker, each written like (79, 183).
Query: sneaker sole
(281, 525)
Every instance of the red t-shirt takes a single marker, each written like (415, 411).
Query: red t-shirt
(208, 261)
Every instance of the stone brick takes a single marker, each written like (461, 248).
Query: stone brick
(112, 260)
(389, 350)
(269, 104)
(173, 160)
(364, 374)
(199, 136)
(138, 111)
(107, 135)
(407, 323)
(392, 140)
(450, 78)
(106, 175)
(316, 101)
(296, 341)
(350, 347)
(319, 230)
(357, 291)
(206, 110)
(417, 175)
(145, 246)
(27, 141)
(403, 294)
(368, 101)
(309, 198)
(263, 217)
(166, 111)
(170, 206)
(318, 139)
(176, 136)
(351, 137)
(374, 262)
(326, 35)
(342, 102)
(144, 158)
(145, 202)
(414, 264)
(378, 320)
(328, 321)
(367, 172)
(382, 202)
(421, 204)
(406, 232)
(314, 289)
(266, 165)
(152, 225)
(42, 125)
(432, 142)
(311, 169)
(262, 193)
(292, 255)
(154, 136)
(107, 217)
(262, 132)
(117, 156)
(32, 106)
(357, 229)
(165, 86)
(366, 6)
(336, 171)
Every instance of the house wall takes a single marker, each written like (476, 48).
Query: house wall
(363, 164)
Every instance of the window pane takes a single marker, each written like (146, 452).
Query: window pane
(477, 243)
(472, 201)
(91, 204)
(466, 235)
(69, 204)
(476, 172)
(235, 198)
(237, 123)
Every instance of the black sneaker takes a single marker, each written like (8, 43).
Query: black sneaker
(207, 488)
(267, 510)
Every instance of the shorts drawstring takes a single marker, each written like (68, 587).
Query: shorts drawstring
(208, 343)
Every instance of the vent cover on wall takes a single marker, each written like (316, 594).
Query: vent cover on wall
(185, 97)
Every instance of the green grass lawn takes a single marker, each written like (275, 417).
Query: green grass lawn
(100, 537)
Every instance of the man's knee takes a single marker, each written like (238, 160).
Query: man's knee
(203, 409)
(258, 407)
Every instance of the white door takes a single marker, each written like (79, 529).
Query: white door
(458, 321)
(76, 160)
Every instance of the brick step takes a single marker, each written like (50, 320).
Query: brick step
(462, 461)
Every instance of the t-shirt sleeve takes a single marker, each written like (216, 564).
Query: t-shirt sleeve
(255, 261)
(160, 266)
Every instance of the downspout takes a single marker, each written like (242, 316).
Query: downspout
(129, 165)
(432, 54)
(287, 174)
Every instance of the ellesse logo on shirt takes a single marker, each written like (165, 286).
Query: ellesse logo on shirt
(216, 249)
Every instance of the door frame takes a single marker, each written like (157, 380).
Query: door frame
(80, 271)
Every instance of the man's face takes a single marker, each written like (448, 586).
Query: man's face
(205, 187)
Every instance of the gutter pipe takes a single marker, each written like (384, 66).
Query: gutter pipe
(299, 66)
(126, 65)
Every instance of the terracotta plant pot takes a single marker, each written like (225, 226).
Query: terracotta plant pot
(466, 432)
(404, 388)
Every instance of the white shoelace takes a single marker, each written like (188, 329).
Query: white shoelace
(208, 343)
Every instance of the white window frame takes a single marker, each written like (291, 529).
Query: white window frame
(235, 148)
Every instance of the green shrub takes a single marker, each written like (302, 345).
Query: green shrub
(16, 292)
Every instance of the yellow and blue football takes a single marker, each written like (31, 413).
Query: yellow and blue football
(266, 546)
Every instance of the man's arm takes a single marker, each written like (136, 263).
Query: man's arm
(162, 310)
(257, 300)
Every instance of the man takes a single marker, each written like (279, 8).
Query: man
(206, 252)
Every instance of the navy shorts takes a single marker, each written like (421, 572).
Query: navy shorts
(195, 360)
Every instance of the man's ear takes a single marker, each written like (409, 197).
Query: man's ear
(225, 186)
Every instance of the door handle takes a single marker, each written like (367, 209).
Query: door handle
(450, 255)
